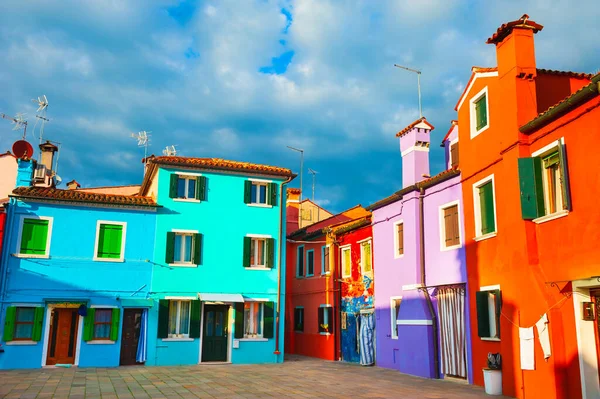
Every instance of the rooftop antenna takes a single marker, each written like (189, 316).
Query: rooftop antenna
(314, 175)
(41, 116)
(170, 151)
(143, 140)
(19, 122)
(418, 84)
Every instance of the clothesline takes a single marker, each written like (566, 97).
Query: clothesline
(547, 310)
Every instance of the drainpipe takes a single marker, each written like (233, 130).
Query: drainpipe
(281, 243)
(434, 325)
(8, 223)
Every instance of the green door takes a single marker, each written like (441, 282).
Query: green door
(214, 335)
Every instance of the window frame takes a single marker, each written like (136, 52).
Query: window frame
(327, 311)
(301, 308)
(493, 318)
(473, 117)
(109, 323)
(300, 253)
(396, 246)
(258, 183)
(17, 323)
(362, 256)
(184, 233)
(254, 247)
(442, 226)
(253, 305)
(343, 248)
(394, 316)
(123, 238)
(310, 251)
(450, 157)
(177, 333)
(323, 263)
(187, 177)
(477, 208)
(46, 255)
(542, 153)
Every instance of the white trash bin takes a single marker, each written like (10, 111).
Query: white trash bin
(492, 380)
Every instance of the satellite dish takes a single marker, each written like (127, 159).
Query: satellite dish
(22, 149)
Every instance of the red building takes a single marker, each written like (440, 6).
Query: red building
(526, 140)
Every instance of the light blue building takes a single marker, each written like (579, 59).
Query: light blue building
(75, 276)
(217, 271)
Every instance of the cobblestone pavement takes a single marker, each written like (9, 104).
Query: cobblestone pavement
(296, 378)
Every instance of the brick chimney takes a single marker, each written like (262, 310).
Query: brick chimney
(414, 147)
(73, 185)
(515, 54)
(47, 154)
(292, 207)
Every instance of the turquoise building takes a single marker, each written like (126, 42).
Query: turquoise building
(217, 270)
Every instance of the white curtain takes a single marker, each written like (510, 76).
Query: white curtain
(451, 310)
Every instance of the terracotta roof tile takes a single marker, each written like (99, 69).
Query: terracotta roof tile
(412, 125)
(577, 75)
(45, 193)
(293, 191)
(221, 164)
(505, 29)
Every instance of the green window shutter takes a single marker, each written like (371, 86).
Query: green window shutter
(163, 318)
(201, 188)
(34, 237)
(170, 248)
(564, 176)
(195, 319)
(498, 295)
(88, 324)
(270, 252)
(9, 323)
(481, 112)
(272, 200)
(173, 185)
(114, 326)
(197, 260)
(486, 198)
(247, 244)
(532, 192)
(110, 238)
(247, 191)
(269, 320)
(239, 320)
(483, 317)
(38, 318)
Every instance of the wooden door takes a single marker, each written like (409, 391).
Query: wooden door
(132, 320)
(214, 336)
(62, 342)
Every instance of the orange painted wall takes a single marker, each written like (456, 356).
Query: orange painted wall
(524, 257)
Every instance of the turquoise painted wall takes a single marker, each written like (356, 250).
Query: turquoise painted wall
(224, 220)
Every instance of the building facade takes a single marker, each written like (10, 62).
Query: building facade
(418, 242)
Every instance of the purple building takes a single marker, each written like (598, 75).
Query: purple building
(418, 247)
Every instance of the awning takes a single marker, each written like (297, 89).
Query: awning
(136, 303)
(221, 297)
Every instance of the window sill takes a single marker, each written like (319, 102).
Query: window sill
(398, 256)
(177, 339)
(552, 216)
(453, 247)
(101, 342)
(115, 260)
(186, 200)
(299, 332)
(324, 333)
(490, 339)
(252, 339)
(260, 205)
(31, 256)
(478, 132)
(258, 268)
(181, 265)
(346, 276)
(23, 342)
(485, 236)
(396, 338)
(310, 275)
(326, 274)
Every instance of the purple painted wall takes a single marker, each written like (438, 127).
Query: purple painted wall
(414, 147)
(412, 352)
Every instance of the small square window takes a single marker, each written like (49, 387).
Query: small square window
(253, 320)
(109, 242)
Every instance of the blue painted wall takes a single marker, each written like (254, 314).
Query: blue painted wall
(224, 220)
(71, 274)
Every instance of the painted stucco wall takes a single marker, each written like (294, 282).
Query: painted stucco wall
(8, 166)
(70, 274)
(224, 220)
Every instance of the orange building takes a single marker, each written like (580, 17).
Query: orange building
(531, 219)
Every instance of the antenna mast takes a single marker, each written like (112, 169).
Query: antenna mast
(19, 122)
(418, 84)
(170, 151)
(314, 175)
(42, 106)
(143, 140)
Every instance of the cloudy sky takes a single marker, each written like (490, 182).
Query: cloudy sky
(242, 79)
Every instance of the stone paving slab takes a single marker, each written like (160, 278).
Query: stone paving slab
(296, 378)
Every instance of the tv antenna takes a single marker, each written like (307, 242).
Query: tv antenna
(418, 84)
(18, 121)
(143, 140)
(170, 151)
(314, 176)
(41, 116)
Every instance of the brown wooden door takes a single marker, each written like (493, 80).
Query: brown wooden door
(132, 319)
(62, 342)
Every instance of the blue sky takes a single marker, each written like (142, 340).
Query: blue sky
(243, 79)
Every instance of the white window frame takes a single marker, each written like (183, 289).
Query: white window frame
(394, 317)
(442, 225)
(395, 235)
(178, 322)
(473, 117)
(184, 233)
(452, 142)
(18, 253)
(542, 152)
(328, 310)
(187, 177)
(300, 252)
(342, 249)
(323, 272)
(254, 242)
(313, 262)
(491, 312)
(253, 305)
(258, 182)
(123, 237)
(477, 208)
(362, 256)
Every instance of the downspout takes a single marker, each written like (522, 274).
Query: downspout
(281, 243)
(434, 325)
(8, 222)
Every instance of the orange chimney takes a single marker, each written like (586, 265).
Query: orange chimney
(515, 54)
